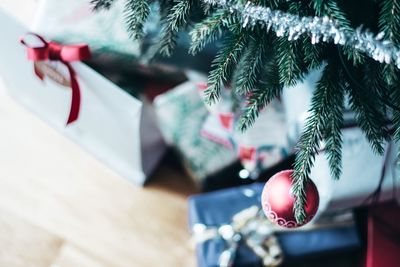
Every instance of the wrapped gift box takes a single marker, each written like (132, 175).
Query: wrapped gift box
(363, 171)
(218, 208)
(262, 146)
(181, 114)
(112, 125)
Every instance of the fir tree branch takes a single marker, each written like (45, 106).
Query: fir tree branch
(369, 116)
(208, 30)
(313, 57)
(223, 63)
(389, 20)
(101, 4)
(323, 101)
(261, 96)
(373, 80)
(289, 60)
(250, 65)
(290, 55)
(136, 13)
(175, 20)
(391, 83)
(333, 132)
(389, 23)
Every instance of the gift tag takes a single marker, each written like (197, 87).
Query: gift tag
(52, 71)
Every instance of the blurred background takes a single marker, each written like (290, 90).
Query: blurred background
(147, 173)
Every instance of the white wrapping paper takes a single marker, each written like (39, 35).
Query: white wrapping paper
(112, 125)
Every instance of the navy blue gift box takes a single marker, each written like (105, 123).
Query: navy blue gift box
(217, 208)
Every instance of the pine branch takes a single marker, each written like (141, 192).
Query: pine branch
(368, 114)
(374, 81)
(223, 63)
(389, 20)
(331, 9)
(250, 65)
(333, 132)
(261, 96)
(289, 60)
(101, 4)
(322, 103)
(389, 23)
(209, 30)
(207, 9)
(393, 77)
(175, 20)
(290, 55)
(313, 56)
(136, 13)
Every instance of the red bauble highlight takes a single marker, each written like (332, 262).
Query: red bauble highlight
(278, 201)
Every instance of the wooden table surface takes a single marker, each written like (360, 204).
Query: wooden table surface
(60, 207)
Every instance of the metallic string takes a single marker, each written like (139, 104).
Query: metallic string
(320, 29)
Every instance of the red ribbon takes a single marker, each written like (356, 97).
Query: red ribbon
(65, 54)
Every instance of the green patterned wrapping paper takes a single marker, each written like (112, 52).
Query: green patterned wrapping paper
(181, 114)
(69, 21)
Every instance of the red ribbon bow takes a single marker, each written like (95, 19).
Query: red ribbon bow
(63, 53)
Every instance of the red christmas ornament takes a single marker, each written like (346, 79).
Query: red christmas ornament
(278, 201)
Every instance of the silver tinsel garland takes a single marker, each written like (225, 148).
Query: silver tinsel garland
(319, 28)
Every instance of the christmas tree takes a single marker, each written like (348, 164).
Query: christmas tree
(271, 44)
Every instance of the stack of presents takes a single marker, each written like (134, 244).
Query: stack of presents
(129, 114)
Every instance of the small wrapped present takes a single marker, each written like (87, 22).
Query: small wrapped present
(261, 146)
(181, 114)
(365, 175)
(230, 231)
(49, 80)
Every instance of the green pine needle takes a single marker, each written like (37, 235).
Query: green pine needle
(323, 109)
(389, 20)
(392, 80)
(389, 23)
(333, 132)
(264, 92)
(369, 116)
(176, 19)
(136, 13)
(290, 63)
(223, 63)
(250, 65)
(312, 53)
(208, 30)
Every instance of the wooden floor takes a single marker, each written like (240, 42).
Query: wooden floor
(60, 207)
